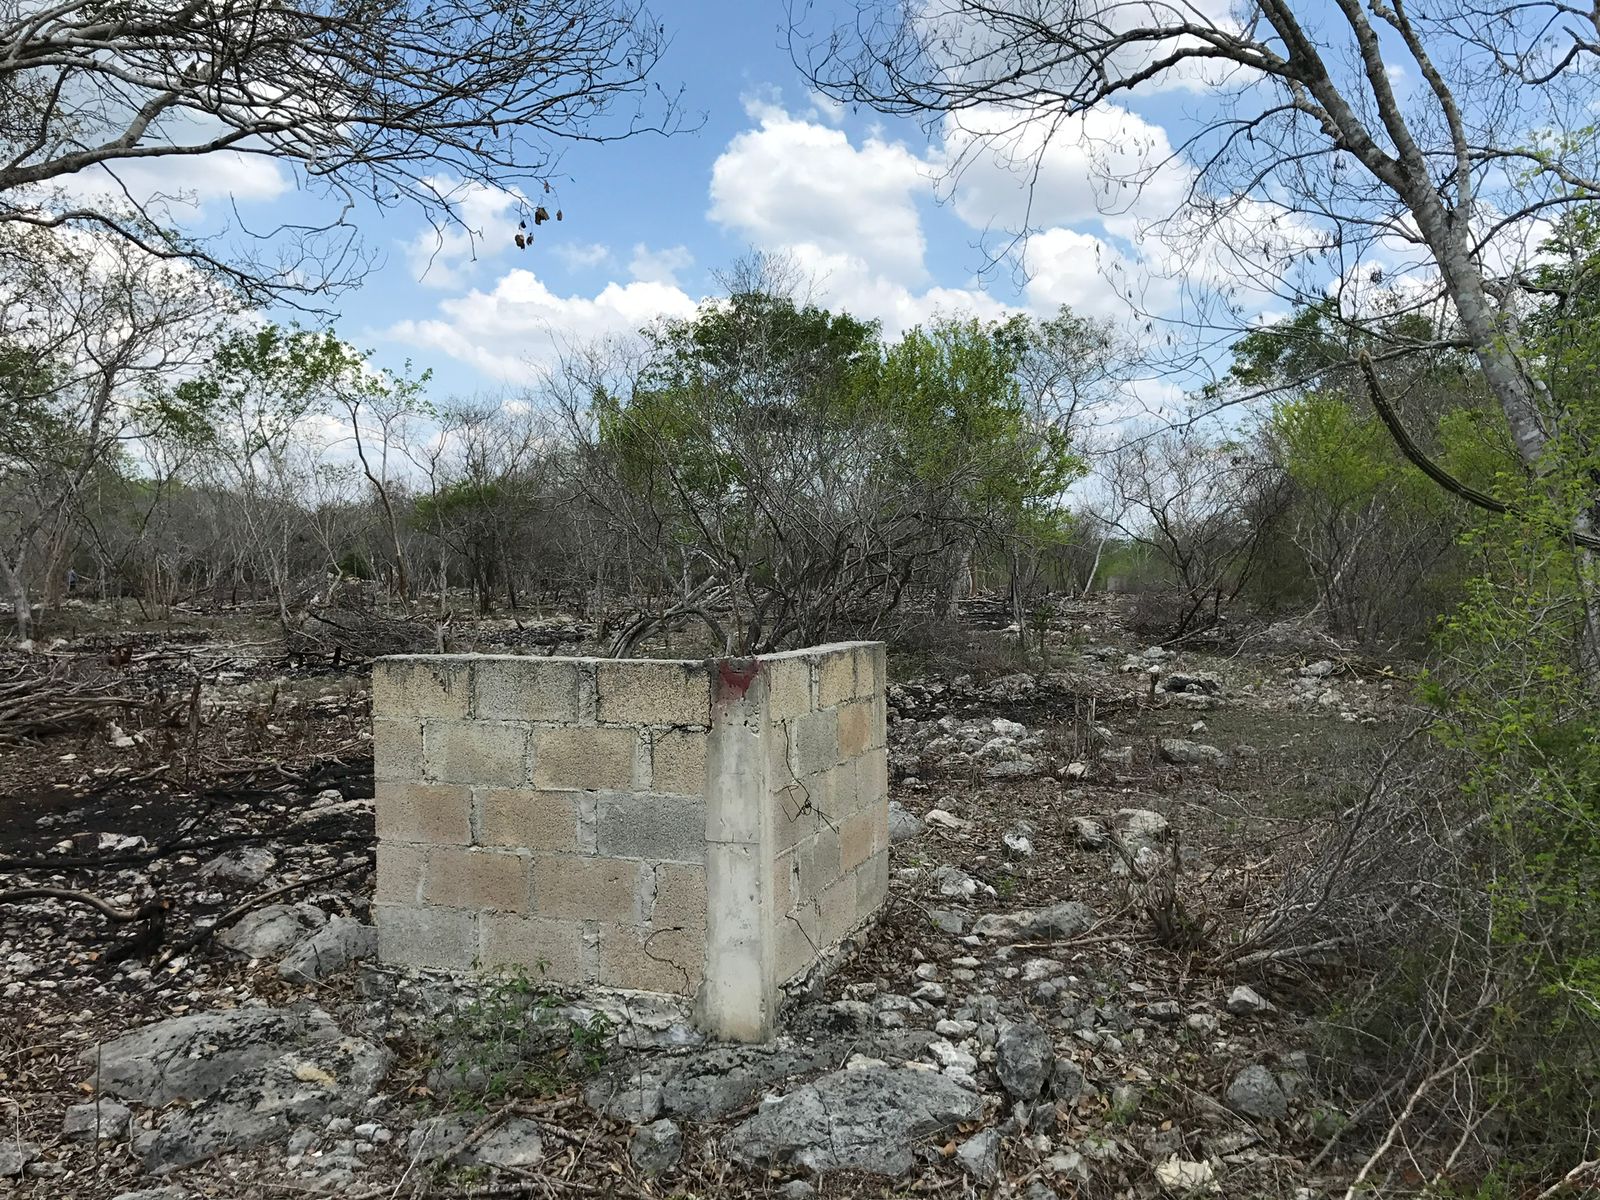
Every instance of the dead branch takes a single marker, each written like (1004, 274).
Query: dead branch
(117, 916)
(1399, 1122)
(1570, 1179)
(239, 910)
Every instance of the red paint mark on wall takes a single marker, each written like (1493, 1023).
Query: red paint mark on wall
(735, 675)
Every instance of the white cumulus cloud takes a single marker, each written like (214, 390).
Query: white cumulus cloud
(791, 181)
(519, 325)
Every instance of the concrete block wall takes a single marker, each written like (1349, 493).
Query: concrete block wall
(828, 774)
(702, 828)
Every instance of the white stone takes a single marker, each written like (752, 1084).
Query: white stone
(1182, 1175)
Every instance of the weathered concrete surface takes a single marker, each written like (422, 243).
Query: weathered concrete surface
(708, 829)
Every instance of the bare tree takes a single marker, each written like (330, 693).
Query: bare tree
(1188, 499)
(91, 336)
(1317, 168)
(397, 101)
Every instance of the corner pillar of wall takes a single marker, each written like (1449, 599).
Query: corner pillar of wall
(738, 999)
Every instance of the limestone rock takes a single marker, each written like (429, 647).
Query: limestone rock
(1184, 753)
(979, 1156)
(953, 881)
(1091, 835)
(269, 932)
(342, 941)
(1255, 1093)
(636, 1098)
(1064, 920)
(105, 1119)
(947, 920)
(1205, 685)
(262, 1104)
(867, 1120)
(706, 1085)
(513, 1144)
(1025, 1056)
(712, 1084)
(247, 865)
(1067, 1082)
(1182, 1175)
(194, 1056)
(656, 1147)
(15, 1157)
(903, 825)
(1245, 1001)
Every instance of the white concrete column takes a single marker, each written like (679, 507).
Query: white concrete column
(739, 996)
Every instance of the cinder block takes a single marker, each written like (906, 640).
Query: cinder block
(872, 779)
(654, 693)
(795, 817)
(445, 939)
(836, 676)
(842, 790)
(477, 879)
(422, 686)
(659, 828)
(838, 910)
(678, 762)
(680, 897)
(528, 818)
(856, 840)
(788, 686)
(511, 940)
(855, 728)
(661, 960)
(579, 888)
(487, 753)
(779, 741)
(433, 813)
(880, 720)
(872, 673)
(515, 688)
(815, 739)
(799, 938)
(397, 749)
(880, 827)
(400, 869)
(583, 758)
(820, 863)
(872, 884)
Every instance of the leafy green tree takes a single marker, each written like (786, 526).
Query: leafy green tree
(967, 427)
(737, 463)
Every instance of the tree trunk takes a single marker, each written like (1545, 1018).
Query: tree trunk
(12, 578)
(1497, 348)
(957, 583)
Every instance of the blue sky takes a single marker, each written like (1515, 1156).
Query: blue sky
(862, 203)
(888, 219)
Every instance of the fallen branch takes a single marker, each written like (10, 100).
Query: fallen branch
(118, 916)
(1570, 1179)
(1399, 1122)
(255, 902)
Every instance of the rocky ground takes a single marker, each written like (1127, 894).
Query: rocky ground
(1068, 993)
